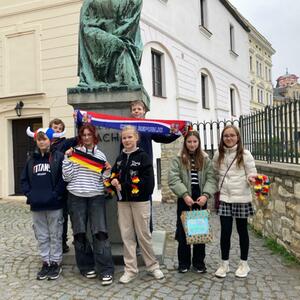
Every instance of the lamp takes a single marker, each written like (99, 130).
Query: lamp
(18, 108)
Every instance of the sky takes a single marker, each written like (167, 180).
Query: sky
(279, 22)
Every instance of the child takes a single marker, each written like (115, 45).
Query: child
(133, 178)
(87, 207)
(191, 178)
(42, 184)
(62, 145)
(138, 110)
(235, 167)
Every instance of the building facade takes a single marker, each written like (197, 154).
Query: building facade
(195, 66)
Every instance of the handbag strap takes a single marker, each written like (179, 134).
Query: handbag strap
(227, 172)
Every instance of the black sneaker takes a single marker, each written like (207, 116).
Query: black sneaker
(43, 273)
(89, 274)
(54, 271)
(66, 248)
(201, 269)
(182, 269)
(107, 280)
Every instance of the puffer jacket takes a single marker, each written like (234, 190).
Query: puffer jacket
(235, 188)
(180, 178)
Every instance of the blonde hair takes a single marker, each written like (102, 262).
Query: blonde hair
(130, 128)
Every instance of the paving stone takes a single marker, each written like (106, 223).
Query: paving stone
(19, 262)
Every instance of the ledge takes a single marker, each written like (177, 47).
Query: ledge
(205, 31)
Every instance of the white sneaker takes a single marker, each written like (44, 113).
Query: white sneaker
(157, 274)
(243, 269)
(126, 278)
(223, 269)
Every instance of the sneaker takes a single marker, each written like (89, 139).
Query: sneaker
(66, 248)
(157, 274)
(201, 269)
(107, 279)
(243, 269)
(126, 278)
(182, 270)
(223, 269)
(43, 273)
(89, 274)
(54, 271)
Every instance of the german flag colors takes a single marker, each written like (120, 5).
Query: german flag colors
(88, 161)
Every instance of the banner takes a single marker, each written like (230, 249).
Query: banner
(163, 127)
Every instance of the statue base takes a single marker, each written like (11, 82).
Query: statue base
(158, 242)
(115, 100)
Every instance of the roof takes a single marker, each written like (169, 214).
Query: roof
(235, 14)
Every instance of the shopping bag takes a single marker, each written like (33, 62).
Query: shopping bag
(196, 226)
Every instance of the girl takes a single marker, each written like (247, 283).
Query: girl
(192, 179)
(133, 178)
(86, 204)
(235, 169)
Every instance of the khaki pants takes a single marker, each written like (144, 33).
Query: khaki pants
(134, 218)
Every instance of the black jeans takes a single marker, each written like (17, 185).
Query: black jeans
(226, 230)
(184, 250)
(66, 217)
(84, 212)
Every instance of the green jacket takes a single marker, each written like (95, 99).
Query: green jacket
(180, 179)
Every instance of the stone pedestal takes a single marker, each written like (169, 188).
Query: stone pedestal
(113, 103)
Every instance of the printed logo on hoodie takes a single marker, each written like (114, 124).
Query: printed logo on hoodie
(41, 169)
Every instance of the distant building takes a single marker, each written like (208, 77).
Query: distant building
(287, 89)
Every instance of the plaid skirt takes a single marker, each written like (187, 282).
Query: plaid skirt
(236, 210)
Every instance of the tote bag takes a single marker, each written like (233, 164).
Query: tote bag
(196, 226)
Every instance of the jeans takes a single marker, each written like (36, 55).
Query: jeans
(88, 215)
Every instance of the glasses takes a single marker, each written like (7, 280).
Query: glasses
(227, 136)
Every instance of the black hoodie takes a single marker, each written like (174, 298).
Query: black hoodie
(135, 174)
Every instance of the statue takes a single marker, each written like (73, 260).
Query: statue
(110, 47)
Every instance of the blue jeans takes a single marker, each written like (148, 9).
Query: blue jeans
(88, 215)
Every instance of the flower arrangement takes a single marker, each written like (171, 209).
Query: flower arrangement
(262, 188)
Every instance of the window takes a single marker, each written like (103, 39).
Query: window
(232, 41)
(251, 63)
(157, 73)
(258, 95)
(257, 68)
(252, 91)
(262, 96)
(270, 75)
(232, 102)
(266, 73)
(203, 13)
(204, 91)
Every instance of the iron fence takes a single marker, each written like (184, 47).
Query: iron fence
(271, 134)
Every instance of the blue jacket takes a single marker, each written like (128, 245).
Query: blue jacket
(41, 181)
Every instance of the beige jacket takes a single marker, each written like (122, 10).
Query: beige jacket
(236, 188)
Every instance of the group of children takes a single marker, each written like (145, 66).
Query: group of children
(54, 183)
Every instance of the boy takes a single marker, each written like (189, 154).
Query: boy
(138, 110)
(62, 145)
(42, 184)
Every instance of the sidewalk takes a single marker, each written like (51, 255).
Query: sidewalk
(19, 262)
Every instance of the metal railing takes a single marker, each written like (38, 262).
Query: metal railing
(271, 134)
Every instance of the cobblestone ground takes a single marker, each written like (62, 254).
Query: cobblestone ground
(269, 277)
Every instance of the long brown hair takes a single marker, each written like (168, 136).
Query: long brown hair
(186, 155)
(92, 129)
(239, 150)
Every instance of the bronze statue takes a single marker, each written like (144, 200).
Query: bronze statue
(110, 46)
